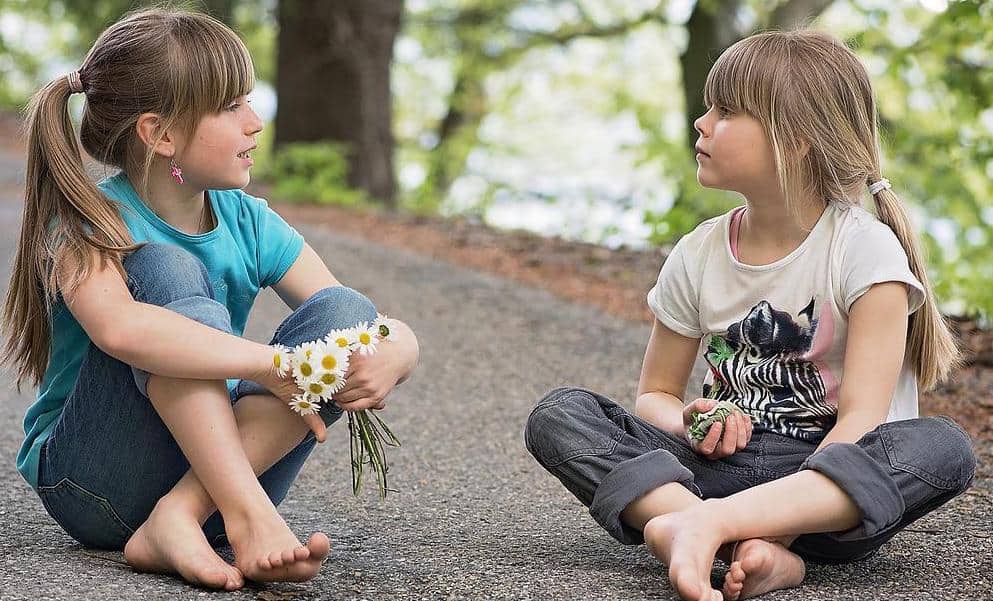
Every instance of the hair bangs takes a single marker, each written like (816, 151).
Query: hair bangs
(744, 77)
(216, 67)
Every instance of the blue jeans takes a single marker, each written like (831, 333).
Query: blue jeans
(110, 457)
(609, 458)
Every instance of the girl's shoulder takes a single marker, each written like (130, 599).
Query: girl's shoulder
(710, 233)
(236, 204)
(857, 231)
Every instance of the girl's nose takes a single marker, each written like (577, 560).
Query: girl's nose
(698, 124)
(254, 124)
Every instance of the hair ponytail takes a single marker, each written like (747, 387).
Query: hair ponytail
(177, 64)
(931, 346)
(65, 216)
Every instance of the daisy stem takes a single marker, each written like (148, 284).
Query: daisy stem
(374, 447)
(355, 452)
(368, 435)
(391, 438)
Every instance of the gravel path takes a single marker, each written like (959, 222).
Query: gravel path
(475, 518)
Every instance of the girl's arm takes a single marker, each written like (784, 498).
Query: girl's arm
(877, 340)
(124, 328)
(668, 362)
(370, 379)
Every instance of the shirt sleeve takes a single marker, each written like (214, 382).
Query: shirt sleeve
(279, 245)
(874, 255)
(674, 299)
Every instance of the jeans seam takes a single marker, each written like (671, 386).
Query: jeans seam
(956, 427)
(546, 402)
(100, 500)
(895, 463)
(134, 286)
(586, 452)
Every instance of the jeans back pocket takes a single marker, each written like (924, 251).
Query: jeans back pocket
(88, 518)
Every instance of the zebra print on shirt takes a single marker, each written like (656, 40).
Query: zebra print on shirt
(759, 365)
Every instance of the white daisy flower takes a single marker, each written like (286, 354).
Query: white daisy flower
(367, 337)
(332, 358)
(343, 339)
(324, 384)
(282, 359)
(303, 366)
(304, 404)
(309, 348)
(383, 328)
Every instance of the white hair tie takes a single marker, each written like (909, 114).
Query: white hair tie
(877, 187)
(75, 82)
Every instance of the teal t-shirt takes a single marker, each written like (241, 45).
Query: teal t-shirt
(251, 248)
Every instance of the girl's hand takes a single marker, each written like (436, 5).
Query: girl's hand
(723, 439)
(369, 379)
(285, 388)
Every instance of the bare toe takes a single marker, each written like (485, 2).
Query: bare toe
(318, 546)
(766, 566)
(301, 553)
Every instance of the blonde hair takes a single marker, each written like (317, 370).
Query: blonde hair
(178, 64)
(814, 100)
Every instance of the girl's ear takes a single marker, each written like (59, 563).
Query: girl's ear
(804, 149)
(148, 129)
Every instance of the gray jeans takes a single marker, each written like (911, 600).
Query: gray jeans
(608, 458)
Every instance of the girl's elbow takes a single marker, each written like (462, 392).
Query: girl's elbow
(115, 338)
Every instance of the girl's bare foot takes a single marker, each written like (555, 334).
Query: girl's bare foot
(760, 566)
(171, 542)
(687, 546)
(265, 550)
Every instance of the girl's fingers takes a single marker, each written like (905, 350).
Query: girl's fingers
(730, 438)
(315, 423)
(350, 396)
(744, 431)
(697, 406)
(358, 404)
(709, 444)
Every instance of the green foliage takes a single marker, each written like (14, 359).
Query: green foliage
(311, 172)
(935, 91)
(935, 98)
(72, 26)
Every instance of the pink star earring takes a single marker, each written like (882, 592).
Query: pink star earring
(176, 172)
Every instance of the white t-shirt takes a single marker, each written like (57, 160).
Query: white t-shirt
(773, 336)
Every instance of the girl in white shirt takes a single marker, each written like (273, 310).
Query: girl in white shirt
(811, 315)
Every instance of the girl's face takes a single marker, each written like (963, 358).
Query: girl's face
(217, 156)
(733, 153)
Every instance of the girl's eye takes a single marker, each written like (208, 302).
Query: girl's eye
(234, 106)
(723, 111)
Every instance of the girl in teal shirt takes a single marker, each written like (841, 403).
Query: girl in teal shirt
(157, 428)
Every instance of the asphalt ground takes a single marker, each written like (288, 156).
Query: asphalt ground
(475, 517)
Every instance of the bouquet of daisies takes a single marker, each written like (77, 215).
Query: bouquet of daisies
(319, 369)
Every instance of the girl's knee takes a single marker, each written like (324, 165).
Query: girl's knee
(161, 273)
(327, 309)
(950, 447)
(933, 449)
(563, 421)
(343, 307)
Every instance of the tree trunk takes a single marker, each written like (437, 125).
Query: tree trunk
(333, 83)
(711, 32)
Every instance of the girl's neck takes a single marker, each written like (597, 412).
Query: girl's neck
(178, 205)
(768, 231)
